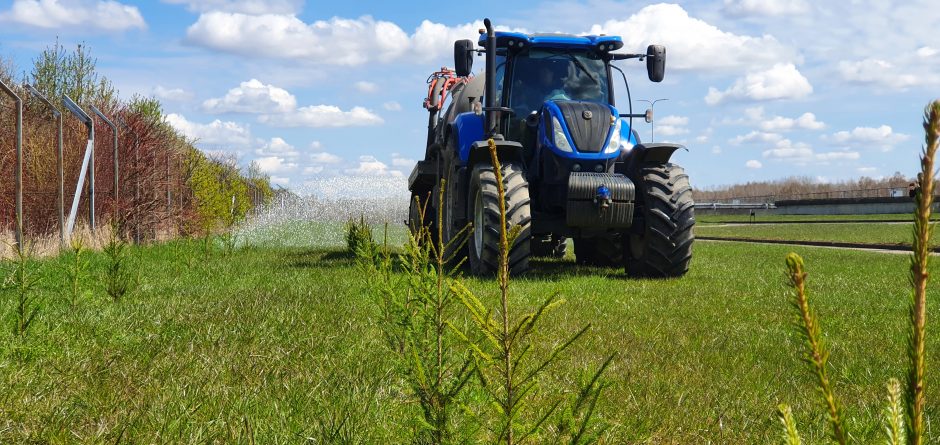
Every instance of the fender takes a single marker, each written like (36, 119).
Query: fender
(506, 151)
(658, 153)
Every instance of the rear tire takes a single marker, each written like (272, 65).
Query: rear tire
(483, 209)
(664, 249)
(601, 251)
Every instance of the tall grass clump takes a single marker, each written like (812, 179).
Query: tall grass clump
(509, 372)
(899, 428)
(22, 281)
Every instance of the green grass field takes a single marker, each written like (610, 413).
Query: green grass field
(870, 233)
(279, 344)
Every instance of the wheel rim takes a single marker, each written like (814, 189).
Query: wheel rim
(478, 223)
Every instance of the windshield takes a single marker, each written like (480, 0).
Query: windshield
(542, 75)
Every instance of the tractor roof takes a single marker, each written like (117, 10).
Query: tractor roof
(510, 39)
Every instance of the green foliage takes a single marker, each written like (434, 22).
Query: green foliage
(509, 373)
(920, 258)
(57, 72)
(417, 309)
(75, 270)
(221, 193)
(21, 281)
(359, 240)
(894, 414)
(817, 354)
(118, 278)
(148, 107)
(790, 434)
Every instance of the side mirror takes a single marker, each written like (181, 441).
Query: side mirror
(656, 62)
(463, 57)
(649, 116)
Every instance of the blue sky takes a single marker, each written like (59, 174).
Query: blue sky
(757, 89)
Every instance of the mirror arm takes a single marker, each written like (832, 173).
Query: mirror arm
(629, 96)
(627, 56)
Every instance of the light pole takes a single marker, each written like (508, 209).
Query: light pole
(652, 113)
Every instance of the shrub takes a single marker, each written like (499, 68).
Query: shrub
(22, 281)
(117, 278)
(359, 240)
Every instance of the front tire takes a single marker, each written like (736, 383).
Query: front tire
(483, 208)
(664, 249)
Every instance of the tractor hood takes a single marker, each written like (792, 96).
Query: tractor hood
(584, 130)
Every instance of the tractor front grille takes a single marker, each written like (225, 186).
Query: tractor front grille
(588, 123)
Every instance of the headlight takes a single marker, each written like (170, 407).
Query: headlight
(615, 140)
(558, 133)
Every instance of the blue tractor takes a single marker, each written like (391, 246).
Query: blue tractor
(572, 165)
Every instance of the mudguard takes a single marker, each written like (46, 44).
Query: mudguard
(505, 151)
(659, 153)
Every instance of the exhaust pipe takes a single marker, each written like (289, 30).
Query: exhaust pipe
(490, 90)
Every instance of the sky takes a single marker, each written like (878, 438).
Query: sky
(315, 90)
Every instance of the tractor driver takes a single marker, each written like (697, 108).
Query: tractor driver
(547, 85)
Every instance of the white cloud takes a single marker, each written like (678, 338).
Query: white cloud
(753, 163)
(755, 116)
(105, 15)
(279, 180)
(337, 41)
(867, 170)
(275, 164)
(693, 44)
(838, 155)
(277, 147)
(318, 116)
(756, 137)
(316, 146)
(787, 150)
(392, 106)
(783, 81)
(366, 87)
(325, 158)
(801, 154)
(806, 121)
(926, 52)
(252, 96)
(872, 71)
(313, 169)
(672, 126)
(766, 7)
(171, 94)
(243, 6)
(370, 166)
(216, 132)
(400, 161)
(883, 137)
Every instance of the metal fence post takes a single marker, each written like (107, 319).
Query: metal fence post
(19, 163)
(117, 195)
(60, 202)
(88, 164)
(136, 179)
